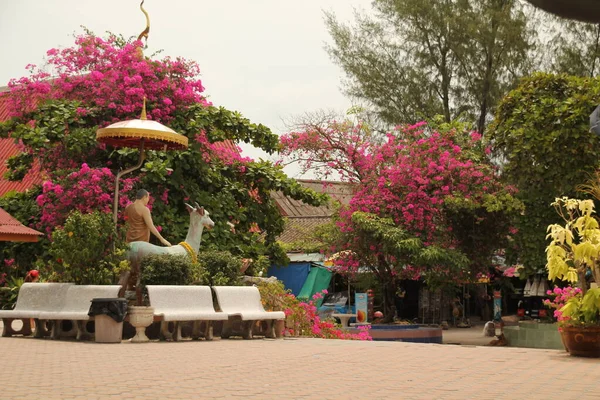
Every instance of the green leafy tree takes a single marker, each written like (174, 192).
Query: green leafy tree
(415, 59)
(575, 48)
(541, 132)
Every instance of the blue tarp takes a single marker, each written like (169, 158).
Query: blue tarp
(293, 276)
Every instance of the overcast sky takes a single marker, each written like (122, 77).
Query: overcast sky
(264, 58)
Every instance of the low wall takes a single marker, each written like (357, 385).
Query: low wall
(535, 335)
(404, 333)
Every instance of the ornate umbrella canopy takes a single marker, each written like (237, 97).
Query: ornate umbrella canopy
(137, 132)
(582, 10)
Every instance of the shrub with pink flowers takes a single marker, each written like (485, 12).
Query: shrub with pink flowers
(559, 298)
(113, 76)
(86, 190)
(302, 318)
(427, 201)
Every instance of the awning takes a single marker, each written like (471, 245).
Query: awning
(12, 230)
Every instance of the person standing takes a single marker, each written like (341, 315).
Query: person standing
(139, 220)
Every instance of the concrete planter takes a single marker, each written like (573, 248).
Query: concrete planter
(536, 335)
(140, 317)
(404, 333)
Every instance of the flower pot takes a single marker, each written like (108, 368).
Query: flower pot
(140, 317)
(582, 342)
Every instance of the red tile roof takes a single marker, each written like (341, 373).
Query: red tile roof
(301, 229)
(13, 230)
(302, 219)
(9, 148)
(289, 207)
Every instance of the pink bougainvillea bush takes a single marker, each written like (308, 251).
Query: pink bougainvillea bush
(427, 203)
(302, 318)
(112, 76)
(86, 190)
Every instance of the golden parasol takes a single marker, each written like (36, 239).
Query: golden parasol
(142, 134)
(139, 133)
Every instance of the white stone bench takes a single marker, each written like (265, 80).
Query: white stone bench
(75, 308)
(180, 304)
(33, 299)
(244, 302)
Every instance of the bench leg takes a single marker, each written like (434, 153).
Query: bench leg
(208, 333)
(278, 327)
(81, 331)
(247, 329)
(41, 329)
(227, 328)
(196, 330)
(270, 333)
(71, 332)
(56, 329)
(8, 330)
(177, 332)
(165, 333)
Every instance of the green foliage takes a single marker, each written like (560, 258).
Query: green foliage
(481, 227)
(582, 309)
(258, 265)
(166, 269)
(415, 59)
(274, 296)
(401, 250)
(218, 268)
(87, 250)
(23, 207)
(575, 48)
(9, 294)
(541, 131)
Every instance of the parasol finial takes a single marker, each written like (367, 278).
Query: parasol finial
(143, 116)
(145, 32)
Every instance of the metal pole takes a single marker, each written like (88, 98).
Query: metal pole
(119, 175)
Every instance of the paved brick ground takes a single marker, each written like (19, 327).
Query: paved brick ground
(289, 369)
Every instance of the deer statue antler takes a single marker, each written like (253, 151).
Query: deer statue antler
(146, 31)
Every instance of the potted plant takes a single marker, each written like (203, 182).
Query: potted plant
(574, 256)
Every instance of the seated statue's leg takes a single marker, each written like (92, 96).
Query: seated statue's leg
(124, 281)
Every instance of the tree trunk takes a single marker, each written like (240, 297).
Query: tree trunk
(446, 89)
(389, 293)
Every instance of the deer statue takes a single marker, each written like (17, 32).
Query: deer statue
(199, 219)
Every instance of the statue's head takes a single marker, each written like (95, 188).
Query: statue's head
(143, 196)
(198, 215)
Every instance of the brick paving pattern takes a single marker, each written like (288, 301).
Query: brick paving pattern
(289, 369)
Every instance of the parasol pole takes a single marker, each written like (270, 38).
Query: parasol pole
(119, 175)
(128, 170)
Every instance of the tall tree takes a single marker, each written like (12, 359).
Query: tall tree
(542, 131)
(575, 48)
(417, 58)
